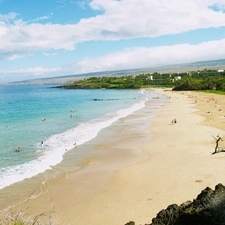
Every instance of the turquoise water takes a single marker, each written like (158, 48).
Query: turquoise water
(30, 115)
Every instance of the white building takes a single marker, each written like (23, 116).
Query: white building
(177, 78)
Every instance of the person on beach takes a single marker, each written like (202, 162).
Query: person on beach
(18, 150)
(175, 121)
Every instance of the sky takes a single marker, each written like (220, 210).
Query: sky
(50, 38)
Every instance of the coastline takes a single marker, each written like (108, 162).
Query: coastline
(166, 163)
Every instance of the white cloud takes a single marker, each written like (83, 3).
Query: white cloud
(153, 57)
(15, 56)
(29, 73)
(9, 16)
(61, 3)
(82, 4)
(49, 54)
(21, 37)
(32, 71)
(132, 18)
(129, 58)
(120, 20)
(41, 18)
(124, 19)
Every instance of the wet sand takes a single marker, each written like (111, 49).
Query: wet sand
(143, 164)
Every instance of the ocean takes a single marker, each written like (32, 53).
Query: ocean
(46, 123)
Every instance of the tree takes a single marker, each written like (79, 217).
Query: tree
(188, 83)
(218, 138)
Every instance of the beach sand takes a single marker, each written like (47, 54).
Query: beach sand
(144, 164)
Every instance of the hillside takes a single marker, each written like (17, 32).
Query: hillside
(176, 68)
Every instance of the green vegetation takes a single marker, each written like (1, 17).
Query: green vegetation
(194, 80)
(19, 216)
(204, 80)
(123, 82)
(215, 92)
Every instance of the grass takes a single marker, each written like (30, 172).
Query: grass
(19, 216)
(214, 92)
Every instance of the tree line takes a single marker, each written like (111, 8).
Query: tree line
(194, 80)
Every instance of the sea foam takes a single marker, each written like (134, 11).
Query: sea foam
(54, 147)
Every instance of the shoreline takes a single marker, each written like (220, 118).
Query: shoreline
(117, 146)
(79, 156)
(166, 163)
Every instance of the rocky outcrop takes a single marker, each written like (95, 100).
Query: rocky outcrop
(207, 209)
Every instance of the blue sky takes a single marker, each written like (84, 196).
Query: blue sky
(49, 38)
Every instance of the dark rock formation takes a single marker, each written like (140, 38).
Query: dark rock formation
(207, 209)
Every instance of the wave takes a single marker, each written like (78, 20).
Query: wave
(51, 153)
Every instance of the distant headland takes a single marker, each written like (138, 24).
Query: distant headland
(175, 68)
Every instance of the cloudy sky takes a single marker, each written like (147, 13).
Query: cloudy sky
(48, 38)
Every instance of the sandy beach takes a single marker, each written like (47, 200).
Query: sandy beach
(144, 164)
